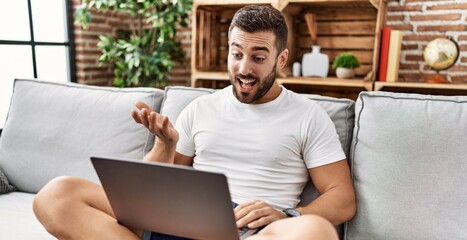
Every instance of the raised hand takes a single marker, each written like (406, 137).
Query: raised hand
(156, 123)
(256, 214)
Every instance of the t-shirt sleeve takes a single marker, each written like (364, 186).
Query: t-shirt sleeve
(186, 145)
(322, 145)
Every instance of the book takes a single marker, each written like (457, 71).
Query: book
(395, 44)
(383, 55)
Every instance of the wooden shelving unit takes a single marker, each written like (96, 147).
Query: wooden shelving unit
(346, 25)
(343, 26)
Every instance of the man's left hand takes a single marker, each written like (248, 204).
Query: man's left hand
(255, 214)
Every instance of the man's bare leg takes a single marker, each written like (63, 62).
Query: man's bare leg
(74, 208)
(303, 227)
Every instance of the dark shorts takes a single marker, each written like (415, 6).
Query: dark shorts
(159, 236)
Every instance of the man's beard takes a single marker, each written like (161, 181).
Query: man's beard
(264, 85)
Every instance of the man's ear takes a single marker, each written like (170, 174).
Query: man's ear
(283, 57)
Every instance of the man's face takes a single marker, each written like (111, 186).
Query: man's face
(252, 66)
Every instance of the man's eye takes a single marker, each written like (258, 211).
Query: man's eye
(236, 55)
(259, 59)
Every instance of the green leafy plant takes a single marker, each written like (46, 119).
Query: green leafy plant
(145, 54)
(346, 60)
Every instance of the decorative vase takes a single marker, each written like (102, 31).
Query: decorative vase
(296, 69)
(315, 64)
(346, 73)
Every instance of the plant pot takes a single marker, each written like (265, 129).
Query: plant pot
(346, 73)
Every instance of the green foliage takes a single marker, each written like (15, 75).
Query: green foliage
(145, 54)
(346, 60)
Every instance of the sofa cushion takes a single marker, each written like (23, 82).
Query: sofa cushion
(177, 97)
(408, 166)
(342, 113)
(5, 186)
(17, 219)
(53, 128)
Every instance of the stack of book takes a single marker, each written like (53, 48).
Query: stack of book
(391, 42)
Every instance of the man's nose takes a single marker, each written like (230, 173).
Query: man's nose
(245, 67)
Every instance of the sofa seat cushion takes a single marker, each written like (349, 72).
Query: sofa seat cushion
(17, 219)
(53, 128)
(409, 167)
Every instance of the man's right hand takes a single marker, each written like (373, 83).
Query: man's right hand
(156, 123)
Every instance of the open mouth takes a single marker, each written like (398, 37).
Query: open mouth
(247, 83)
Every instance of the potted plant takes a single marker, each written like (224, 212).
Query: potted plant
(345, 64)
(144, 54)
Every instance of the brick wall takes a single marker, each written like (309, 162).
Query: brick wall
(421, 21)
(88, 70)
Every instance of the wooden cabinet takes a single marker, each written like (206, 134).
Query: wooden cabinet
(342, 26)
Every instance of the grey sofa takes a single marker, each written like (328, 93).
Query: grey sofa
(406, 152)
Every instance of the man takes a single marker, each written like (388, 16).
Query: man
(266, 139)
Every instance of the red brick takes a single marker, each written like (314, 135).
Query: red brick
(395, 18)
(454, 6)
(103, 75)
(416, 8)
(443, 28)
(433, 17)
(409, 66)
(411, 57)
(99, 28)
(416, 77)
(405, 27)
(89, 52)
(458, 68)
(87, 61)
(459, 79)
(415, 37)
(409, 46)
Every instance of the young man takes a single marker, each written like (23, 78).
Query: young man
(266, 139)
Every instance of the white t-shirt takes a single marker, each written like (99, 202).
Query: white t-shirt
(263, 149)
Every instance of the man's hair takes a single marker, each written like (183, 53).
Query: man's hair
(262, 18)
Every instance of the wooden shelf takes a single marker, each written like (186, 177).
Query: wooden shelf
(215, 76)
(345, 26)
(334, 82)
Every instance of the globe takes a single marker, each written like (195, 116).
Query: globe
(440, 54)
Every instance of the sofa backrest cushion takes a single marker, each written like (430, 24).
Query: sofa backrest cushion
(177, 97)
(53, 128)
(340, 110)
(409, 167)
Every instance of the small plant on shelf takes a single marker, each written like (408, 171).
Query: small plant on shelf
(345, 64)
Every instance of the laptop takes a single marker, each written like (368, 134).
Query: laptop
(170, 199)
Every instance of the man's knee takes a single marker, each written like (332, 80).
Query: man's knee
(53, 201)
(303, 227)
(318, 226)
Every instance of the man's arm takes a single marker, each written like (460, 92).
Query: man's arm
(164, 149)
(336, 202)
(158, 153)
